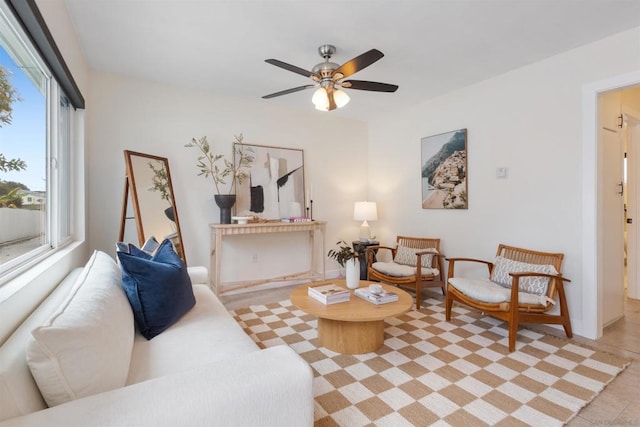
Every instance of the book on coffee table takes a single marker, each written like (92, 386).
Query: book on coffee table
(382, 298)
(329, 293)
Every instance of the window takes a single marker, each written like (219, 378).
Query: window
(35, 147)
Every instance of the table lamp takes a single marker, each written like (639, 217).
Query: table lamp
(365, 211)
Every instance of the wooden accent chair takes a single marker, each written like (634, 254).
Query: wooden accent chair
(416, 262)
(522, 287)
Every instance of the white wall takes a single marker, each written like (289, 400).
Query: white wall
(528, 120)
(160, 119)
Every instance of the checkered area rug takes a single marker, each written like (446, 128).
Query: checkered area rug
(433, 372)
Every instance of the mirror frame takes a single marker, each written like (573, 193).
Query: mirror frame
(130, 186)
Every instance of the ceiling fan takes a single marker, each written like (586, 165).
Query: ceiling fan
(329, 78)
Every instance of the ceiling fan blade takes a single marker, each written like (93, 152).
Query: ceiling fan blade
(288, 91)
(365, 85)
(359, 62)
(289, 67)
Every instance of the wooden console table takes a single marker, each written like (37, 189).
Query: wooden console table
(220, 231)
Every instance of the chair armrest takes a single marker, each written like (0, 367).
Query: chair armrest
(515, 283)
(419, 261)
(265, 387)
(528, 273)
(370, 251)
(452, 262)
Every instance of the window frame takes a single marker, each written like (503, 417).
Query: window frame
(28, 25)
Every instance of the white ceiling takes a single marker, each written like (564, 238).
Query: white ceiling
(431, 47)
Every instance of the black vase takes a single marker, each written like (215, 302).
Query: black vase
(225, 202)
(169, 213)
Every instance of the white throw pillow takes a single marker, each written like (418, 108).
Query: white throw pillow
(407, 256)
(85, 347)
(533, 285)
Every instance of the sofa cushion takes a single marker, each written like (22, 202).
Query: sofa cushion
(207, 333)
(158, 288)
(85, 346)
(407, 256)
(533, 285)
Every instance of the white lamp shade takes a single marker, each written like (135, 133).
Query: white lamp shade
(340, 98)
(365, 211)
(320, 99)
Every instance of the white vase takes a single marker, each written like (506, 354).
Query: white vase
(352, 273)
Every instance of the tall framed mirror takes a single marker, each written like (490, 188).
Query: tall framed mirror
(153, 205)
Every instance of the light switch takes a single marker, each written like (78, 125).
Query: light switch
(502, 173)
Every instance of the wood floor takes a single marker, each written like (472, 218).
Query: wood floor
(618, 404)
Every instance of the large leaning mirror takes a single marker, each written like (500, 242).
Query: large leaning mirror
(153, 206)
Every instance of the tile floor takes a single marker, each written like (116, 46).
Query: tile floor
(617, 405)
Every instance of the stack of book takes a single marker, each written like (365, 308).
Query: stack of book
(329, 294)
(382, 298)
(296, 219)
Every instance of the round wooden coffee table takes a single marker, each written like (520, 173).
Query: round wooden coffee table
(355, 326)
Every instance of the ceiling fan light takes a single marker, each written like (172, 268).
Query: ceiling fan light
(320, 99)
(340, 98)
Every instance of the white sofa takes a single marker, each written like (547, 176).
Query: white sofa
(202, 371)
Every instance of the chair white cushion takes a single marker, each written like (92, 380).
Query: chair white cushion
(398, 270)
(533, 285)
(485, 290)
(85, 346)
(407, 256)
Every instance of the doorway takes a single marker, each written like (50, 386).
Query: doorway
(592, 277)
(617, 184)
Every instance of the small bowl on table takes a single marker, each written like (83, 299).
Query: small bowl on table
(241, 219)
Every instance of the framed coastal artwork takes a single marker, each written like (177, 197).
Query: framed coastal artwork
(274, 187)
(444, 170)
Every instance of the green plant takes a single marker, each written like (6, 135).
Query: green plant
(208, 163)
(160, 181)
(12, 199)
(8, 95)
(343, 254)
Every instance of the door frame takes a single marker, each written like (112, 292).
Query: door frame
(592, 276)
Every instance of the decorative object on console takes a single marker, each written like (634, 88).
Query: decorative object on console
(148, 185)
(444, 171)
(241, 219)
(328, 78)
(274, 184)
(225, 202)
(365, 211)
(348, 258)
(236, 171)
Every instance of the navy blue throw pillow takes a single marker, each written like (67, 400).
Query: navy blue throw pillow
(158, 288)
